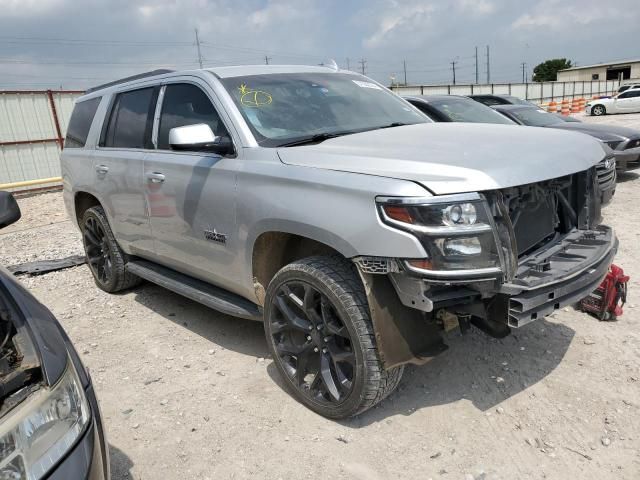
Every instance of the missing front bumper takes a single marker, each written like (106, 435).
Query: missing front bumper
(559, 276)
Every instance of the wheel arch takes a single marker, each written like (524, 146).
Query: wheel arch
(82, 201)
(272, 249)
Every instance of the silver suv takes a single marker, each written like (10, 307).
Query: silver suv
(320, 202)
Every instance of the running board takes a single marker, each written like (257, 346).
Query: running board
(201, 292)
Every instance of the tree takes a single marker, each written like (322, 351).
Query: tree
(548, 71)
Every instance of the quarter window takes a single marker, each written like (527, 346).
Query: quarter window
(80, 123)
(186, 104)
(131, 120)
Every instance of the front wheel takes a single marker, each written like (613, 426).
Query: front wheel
(319, 331)
(598, 110)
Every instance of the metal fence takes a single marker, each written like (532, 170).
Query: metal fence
(540, 92)
(33, 125)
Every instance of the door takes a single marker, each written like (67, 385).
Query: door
(628, 101)
(118, 163)
(191, 194)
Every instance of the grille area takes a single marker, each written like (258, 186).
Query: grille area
(606, 175)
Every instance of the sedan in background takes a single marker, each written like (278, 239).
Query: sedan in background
(624, 141)
(50, 425)
(625, 102)
(453, 108)
(500, 99)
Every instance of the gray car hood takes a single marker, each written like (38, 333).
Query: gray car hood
(454, 157)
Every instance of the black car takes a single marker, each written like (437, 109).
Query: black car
(50, 424)
(451, 108)
(624, 141)
(499, 99)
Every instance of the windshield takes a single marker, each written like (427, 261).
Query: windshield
(283, 108)
(535, 117)
(463, 110)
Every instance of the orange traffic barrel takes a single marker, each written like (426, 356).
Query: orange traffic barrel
(552, 107)
(565, 109)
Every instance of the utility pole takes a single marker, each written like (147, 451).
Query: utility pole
(404, 64)
(524, 78)
(198, 47)
(266, 59)
(488, 66)
(363, 64)
(477, 78)
(453, 68)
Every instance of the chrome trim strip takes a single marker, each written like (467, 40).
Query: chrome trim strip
(459, 197)
(156, 117)
(454, 274)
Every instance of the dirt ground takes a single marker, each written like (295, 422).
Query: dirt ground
(190, 393)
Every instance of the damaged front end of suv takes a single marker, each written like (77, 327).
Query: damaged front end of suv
(496, 259)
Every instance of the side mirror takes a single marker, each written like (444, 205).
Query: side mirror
(9, 209)
(199, 138)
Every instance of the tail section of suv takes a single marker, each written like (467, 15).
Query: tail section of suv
(319, 202)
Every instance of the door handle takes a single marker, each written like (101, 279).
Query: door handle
(102, 169)
(155, 177)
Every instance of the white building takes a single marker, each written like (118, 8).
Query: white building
(602, 71)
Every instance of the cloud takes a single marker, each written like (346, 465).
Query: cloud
(477, 7)
(25, 8)
(563, 15)
(397, 19)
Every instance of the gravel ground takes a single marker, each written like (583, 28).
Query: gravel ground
(190, 393)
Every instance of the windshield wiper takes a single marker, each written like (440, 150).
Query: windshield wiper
(317, 138)
(392, 125)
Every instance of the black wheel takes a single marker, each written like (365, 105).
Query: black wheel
(598, 110)
(104, 257)
(321, 337)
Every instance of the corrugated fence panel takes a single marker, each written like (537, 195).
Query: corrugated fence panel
(30, 161)
(25, 117)
(29, 117)
(64, 106)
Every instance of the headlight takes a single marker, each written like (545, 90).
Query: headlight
(455, 230)
(40, 431)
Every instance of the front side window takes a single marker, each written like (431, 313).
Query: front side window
(284, 108)
(80, 123)
(131, 119)
(630, 94)
(186, 104)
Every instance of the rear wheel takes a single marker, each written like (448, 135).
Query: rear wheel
(320, 335)
(598, 110)
(105, 258)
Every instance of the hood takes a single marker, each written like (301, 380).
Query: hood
(454, 157)
(605, 133)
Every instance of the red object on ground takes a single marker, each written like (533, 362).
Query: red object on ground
(607, 300)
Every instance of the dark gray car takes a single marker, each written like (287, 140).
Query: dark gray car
(50, 423)
(624, 141)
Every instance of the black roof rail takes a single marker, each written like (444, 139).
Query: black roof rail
(129, 79)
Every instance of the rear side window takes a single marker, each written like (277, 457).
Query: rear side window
(131, 119)
(186, 104)
(80, 123)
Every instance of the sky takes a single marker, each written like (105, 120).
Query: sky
(75, 44)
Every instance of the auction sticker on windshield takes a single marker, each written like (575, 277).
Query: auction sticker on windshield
(366, 84)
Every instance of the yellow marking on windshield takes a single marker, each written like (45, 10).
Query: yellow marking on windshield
(254, 98)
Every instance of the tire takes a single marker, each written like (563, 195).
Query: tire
(104, 257)
(320, 335)
(598, 110)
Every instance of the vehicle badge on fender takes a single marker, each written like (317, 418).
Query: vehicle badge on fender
(211, 234)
